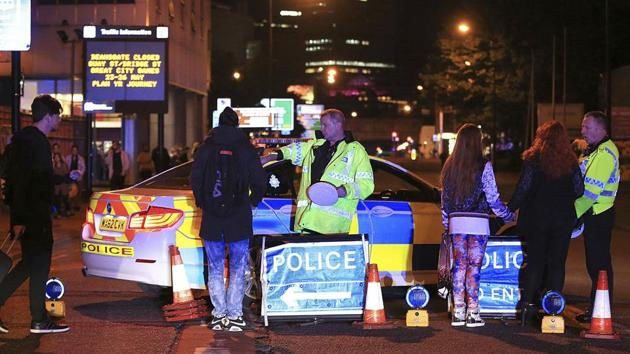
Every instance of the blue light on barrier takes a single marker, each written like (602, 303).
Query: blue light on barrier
(54, 289)
(417, 297)
(553, 302)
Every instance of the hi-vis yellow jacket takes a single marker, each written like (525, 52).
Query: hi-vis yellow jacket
(349, 167)
(601, 179)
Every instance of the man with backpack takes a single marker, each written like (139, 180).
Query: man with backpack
(227, 180)
(29, 193)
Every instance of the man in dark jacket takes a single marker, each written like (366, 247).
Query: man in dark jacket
(232, 227)
(30, 196)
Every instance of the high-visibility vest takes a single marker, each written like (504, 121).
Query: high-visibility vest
(601, 179)
(349, 167)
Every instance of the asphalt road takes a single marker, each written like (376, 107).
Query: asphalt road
(111, 316)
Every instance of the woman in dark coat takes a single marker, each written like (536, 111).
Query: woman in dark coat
(550, 182)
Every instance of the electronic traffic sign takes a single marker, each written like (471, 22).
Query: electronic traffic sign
(15, 25)
(125, 69)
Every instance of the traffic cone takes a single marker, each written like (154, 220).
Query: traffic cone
(184, 306)
(374, 311)
(601, 321)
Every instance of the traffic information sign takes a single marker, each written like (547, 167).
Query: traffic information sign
(126, 69)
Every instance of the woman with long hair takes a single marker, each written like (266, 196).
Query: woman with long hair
(550, 182)
(469, 194)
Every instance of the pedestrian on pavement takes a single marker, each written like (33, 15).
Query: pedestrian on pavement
(225, 170)
(145, 163)
(76, 165)
(161, 160)
(117, 162)
(600, 168)
(469, 194)
(30, 181)
(337, 159)
(549, 184)
(61, 181)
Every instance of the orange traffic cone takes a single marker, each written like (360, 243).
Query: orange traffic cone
(601, 322)
(374, 311)
(184, 306)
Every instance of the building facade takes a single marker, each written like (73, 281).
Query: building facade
(54, 65)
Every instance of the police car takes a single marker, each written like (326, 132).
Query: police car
(127, 233)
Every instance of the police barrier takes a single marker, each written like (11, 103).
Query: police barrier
(310, 277)
(499, 290)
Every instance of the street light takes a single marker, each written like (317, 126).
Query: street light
(419, 88)
(236, 75)
(332, 73)
(463, 27)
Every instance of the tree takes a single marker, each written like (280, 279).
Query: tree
(482, 76)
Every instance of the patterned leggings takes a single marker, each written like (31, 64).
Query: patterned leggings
(468, 251)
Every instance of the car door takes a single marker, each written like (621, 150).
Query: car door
(402, 218)
(276, 212)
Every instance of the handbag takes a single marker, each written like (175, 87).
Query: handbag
(5, 260)
(445, 265)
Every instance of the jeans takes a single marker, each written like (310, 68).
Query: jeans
(468, 252)
(35, 266)
(227, 302)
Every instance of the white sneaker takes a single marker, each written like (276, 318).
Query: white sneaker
(473, 319)
(236, 325)
(458, 317)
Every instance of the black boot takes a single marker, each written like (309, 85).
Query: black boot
(528, 313)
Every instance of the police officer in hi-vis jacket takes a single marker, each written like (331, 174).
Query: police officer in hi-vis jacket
(600, 168)
(336, 159)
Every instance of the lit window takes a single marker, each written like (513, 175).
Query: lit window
(290, 13)
(318, 41)
(361, 64)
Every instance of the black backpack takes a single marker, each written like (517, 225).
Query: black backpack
(223, 180)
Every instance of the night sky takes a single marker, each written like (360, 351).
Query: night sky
(530, 24)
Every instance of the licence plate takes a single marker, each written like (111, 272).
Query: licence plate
(110, 223)
(107, 250)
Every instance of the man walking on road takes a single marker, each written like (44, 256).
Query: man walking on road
(30, 197)
(337, 159)
(600, 169)
(226, 168)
